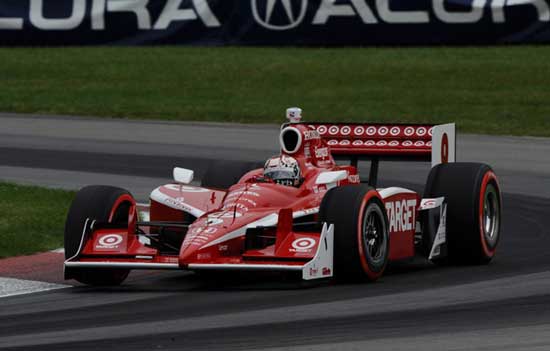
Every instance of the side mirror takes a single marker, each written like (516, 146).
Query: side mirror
(182, 175)
(331, 177)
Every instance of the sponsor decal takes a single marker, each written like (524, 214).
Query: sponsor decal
(395, 131)
(204, 256)
(371, 131)
(326, 271)
(321, 152)
(109, 241)
(242, 192)
(313, 271)
(429, 203)
(354, 178)
(303, 245)
(401, 215)
(421, 131)
(233, 204)
(311, 134)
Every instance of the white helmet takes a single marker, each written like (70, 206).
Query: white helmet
(283, 170)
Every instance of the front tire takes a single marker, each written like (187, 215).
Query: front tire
(361, 232)
(103, 204)
(473, 198)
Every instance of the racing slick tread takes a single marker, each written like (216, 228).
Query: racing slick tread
(461, 183)
(342, 206)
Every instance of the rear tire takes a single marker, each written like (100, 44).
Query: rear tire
(103, 204)
(224, 174)
(361, 232)
(473, 198)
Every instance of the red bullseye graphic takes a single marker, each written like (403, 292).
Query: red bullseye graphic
(303, 243)
(110, 240)
(445, 148)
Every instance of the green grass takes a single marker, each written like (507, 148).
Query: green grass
(32, 219)
(497, 90)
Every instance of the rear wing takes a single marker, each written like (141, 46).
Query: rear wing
(403, 142)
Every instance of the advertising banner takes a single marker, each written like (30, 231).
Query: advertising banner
(273, 22)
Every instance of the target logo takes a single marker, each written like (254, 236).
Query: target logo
(344, 142)
(345, 130)
(371, 130)
(333, 130)
(358, 130)
(303, 244)
(332, 142)
(394, 143)
(409, 131)
(421, 131)
(382, 143)
(419, 143)
(370, 143)
(431, 131)
(395, 131)
(322, 130)
(110, 241)
(357, 142)
(407, 143)
(383, 131)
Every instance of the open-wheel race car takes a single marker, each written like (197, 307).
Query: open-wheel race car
(302, 212)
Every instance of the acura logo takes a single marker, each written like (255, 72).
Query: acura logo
(279, 14)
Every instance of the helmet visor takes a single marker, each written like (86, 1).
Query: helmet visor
(277, 174)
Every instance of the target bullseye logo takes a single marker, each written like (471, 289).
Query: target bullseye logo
(303, 244)
(110, 240)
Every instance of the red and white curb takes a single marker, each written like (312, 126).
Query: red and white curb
(30, 274)
(43, 271)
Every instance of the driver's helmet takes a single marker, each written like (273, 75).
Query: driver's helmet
(283, 170)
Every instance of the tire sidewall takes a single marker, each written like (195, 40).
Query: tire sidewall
(372, 202)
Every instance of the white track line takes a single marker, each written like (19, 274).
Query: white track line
(12, 287)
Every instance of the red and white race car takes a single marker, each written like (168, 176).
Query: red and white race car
(301, 213)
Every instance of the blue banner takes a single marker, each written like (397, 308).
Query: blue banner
(273, 22)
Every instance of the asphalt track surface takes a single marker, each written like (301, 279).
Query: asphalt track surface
(502, 306)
